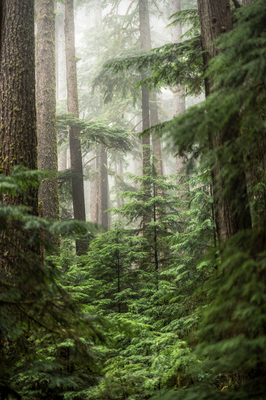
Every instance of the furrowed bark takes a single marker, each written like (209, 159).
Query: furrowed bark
(18, 132)
(61, 86)
(46, 107)
(232, 211)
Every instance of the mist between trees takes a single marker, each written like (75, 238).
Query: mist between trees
(133, 200)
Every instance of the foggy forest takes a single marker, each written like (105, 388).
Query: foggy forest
(133, 200)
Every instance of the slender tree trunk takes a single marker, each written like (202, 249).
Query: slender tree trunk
(231, 208)
(154, 117)
(102, 179)
(179, 103)
(103, 188)
(73, 108)
(156, 142)
(144, 40)
(145, 44)
(94, 192)
(46, 107)
(17, 95)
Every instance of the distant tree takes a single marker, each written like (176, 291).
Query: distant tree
(102, 194)
(73, 108)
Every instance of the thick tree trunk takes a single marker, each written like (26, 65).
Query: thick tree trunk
(73, 108)
(46, 107)
(18, 133)
(231, 208)
(61, 86)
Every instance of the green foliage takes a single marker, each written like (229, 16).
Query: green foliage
(171, 64)
(150, 311)
(95, 132)
(36, 314)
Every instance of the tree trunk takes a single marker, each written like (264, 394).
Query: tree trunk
(102, 179)
(144, 42)
(73, 108)
(46, 107)
(179, 103)
(17, 94)
(231, 208)
(61, 87)
(156, 142)
(103, 188)
(94, 185)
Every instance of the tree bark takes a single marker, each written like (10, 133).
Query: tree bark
(154, 117)
(156, 142)
(103, 188)
(231, 208)
(146, 154)
(61, 86)
(179, 103)
(94, 189)
(144, 42)
(46, 107)
(17, 94)
(73, 108)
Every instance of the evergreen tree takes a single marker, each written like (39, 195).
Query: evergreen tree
(72, 103)
(46, 107)
(18, 117)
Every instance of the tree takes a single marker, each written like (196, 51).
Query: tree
(145, 45)
(61, 89)
(179, 101)
(231, 214)
(102, 197)
(46, 107)
(18, 112)
(73, 108)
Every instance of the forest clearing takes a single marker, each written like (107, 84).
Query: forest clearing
(133, 200)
